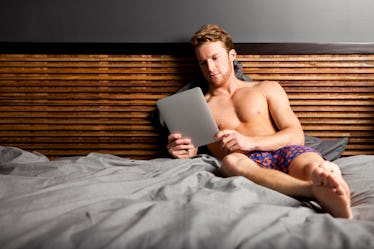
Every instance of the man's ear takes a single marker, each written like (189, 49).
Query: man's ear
(232, 54)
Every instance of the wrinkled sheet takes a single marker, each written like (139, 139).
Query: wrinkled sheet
(104, 201)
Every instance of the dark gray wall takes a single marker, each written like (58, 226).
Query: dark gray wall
(175, 20)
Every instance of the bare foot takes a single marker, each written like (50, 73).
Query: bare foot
(331, 192)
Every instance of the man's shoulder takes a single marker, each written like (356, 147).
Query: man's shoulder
(266, 85)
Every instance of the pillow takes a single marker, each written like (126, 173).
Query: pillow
(330, 149)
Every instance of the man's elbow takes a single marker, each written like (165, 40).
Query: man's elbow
(299, 138)
(296, 136)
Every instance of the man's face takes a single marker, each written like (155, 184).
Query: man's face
(215, 62)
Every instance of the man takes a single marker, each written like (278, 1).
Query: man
(260, 137)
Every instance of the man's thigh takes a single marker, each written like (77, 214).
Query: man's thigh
(235, 164)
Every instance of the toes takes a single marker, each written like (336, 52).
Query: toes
(336, 185)
(332, 181)
(321, 177)
(325, 178)
(331, 167)
(316, 176)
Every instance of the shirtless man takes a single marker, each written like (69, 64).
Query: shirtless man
(260, 137)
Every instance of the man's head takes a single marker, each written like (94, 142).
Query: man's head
(215, 54)
(212, 33)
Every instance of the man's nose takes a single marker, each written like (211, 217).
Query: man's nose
(211, 66)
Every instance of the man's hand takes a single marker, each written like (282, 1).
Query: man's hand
(180, 147)
(233, 141)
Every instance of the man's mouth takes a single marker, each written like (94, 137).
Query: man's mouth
(214, 75)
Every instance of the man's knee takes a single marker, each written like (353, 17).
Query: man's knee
(235, 164)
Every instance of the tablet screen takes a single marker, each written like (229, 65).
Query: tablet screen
(188, 113)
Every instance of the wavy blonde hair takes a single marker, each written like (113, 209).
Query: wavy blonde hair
(212, 33)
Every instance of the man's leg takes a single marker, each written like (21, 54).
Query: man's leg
(329, 188)
(238, 164)
(308, 180)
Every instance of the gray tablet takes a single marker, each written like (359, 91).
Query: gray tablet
(188, 113)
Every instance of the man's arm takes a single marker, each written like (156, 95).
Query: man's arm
(290, 130)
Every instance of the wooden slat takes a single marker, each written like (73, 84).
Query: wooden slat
(72, 104)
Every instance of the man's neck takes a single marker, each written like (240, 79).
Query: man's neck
(228, 87)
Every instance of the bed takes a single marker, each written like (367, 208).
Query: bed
(105, 201)
(82, 163)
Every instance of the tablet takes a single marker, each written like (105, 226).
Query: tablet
(188, 113)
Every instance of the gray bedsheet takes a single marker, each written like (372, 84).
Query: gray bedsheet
(104, 201)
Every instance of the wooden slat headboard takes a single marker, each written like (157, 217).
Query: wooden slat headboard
(73, 104)
(62, 105)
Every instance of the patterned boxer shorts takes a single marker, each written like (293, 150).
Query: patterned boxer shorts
(279, 159)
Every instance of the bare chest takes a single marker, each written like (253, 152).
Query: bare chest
(238, 111)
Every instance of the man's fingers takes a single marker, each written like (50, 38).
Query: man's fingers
(174, 136)
(177, 139)
(222, 134)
